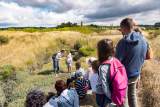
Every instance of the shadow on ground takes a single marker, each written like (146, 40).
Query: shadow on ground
(49, 72)
(86, 101)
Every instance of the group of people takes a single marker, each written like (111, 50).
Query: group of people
(130, 51)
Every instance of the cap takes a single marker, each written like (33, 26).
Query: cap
(74, 74)
(78, 74)
(90, 60)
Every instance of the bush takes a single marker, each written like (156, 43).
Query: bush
(77, 57)
(10, 29)
(8, 71)
(29, 62)
(4, 40)
(2, 97)
(86, 52)
(89, 48)
(80, 43)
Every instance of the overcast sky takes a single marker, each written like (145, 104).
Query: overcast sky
(49, 13)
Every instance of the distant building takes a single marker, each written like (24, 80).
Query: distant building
(143, 28)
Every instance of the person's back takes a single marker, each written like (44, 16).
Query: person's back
(81, 86)
(68, 98)
(131, 51)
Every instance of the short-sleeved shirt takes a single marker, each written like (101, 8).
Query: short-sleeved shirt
(93, 80)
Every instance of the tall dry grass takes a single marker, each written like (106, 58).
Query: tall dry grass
(150, 77)
(25, 46)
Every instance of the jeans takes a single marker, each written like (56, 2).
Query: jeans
(100, 98)
(130, 96)
(55, 65)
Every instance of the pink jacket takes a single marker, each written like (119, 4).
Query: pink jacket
(88, 72)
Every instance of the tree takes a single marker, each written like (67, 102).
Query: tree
(112, 27)
(102, 26)
(81, 23)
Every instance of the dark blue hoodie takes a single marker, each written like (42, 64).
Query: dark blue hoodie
(131, 52)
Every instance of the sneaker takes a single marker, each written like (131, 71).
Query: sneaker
(60, 73)
(56, 75)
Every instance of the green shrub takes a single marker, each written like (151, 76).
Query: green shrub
(8, 86)
(4, 40)
(86, 52)
(11, 29)
(8, 71)
(89, 48)
(77, 57)
(29, 62)
(6, 74)
(80, 43)
(2, 97)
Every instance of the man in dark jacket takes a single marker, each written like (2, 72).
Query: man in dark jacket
(131, 51)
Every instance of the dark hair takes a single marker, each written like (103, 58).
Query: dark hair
(50, 95)
(63, 50)
(60, 86)
(95, 65)
(78, 65)
(127, 23)
(35, 98)
(105, 50)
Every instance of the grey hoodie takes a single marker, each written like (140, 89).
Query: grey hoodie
(102, 86)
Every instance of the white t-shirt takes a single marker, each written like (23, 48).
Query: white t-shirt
(93, 80)
(69, 60)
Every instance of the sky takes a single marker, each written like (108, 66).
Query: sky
(50, 13)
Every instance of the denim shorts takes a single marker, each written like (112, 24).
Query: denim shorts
(69, 64)
(100, 98)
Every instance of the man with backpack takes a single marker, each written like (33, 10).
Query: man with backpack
(131, 52)
(56, 57)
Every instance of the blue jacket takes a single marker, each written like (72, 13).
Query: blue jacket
(131, 52)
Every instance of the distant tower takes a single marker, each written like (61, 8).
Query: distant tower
(102, 26)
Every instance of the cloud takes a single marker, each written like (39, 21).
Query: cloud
(122, 9)
(53, 12)
(15, 15)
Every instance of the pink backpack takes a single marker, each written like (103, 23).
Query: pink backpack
(119, 80)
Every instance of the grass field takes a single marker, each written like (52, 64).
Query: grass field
(31, 54)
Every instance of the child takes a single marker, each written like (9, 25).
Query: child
(81, 85)
(68, 62)
(93, 77)
(105, 52)
(36, 98)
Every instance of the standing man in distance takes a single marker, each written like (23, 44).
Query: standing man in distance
(131, 52)
(56, 57)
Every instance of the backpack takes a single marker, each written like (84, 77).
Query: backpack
(54, 55)
(149, 54)
(119, 80)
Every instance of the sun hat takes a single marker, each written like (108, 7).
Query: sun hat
(78, 74)
(74, 74)
(90, 60)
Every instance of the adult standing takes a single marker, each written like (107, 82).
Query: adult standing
(56, 57)
(89, 63)
(131, 52)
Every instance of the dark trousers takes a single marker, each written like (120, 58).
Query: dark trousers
(55, 65)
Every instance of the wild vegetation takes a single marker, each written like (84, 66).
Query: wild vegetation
(26, 63)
